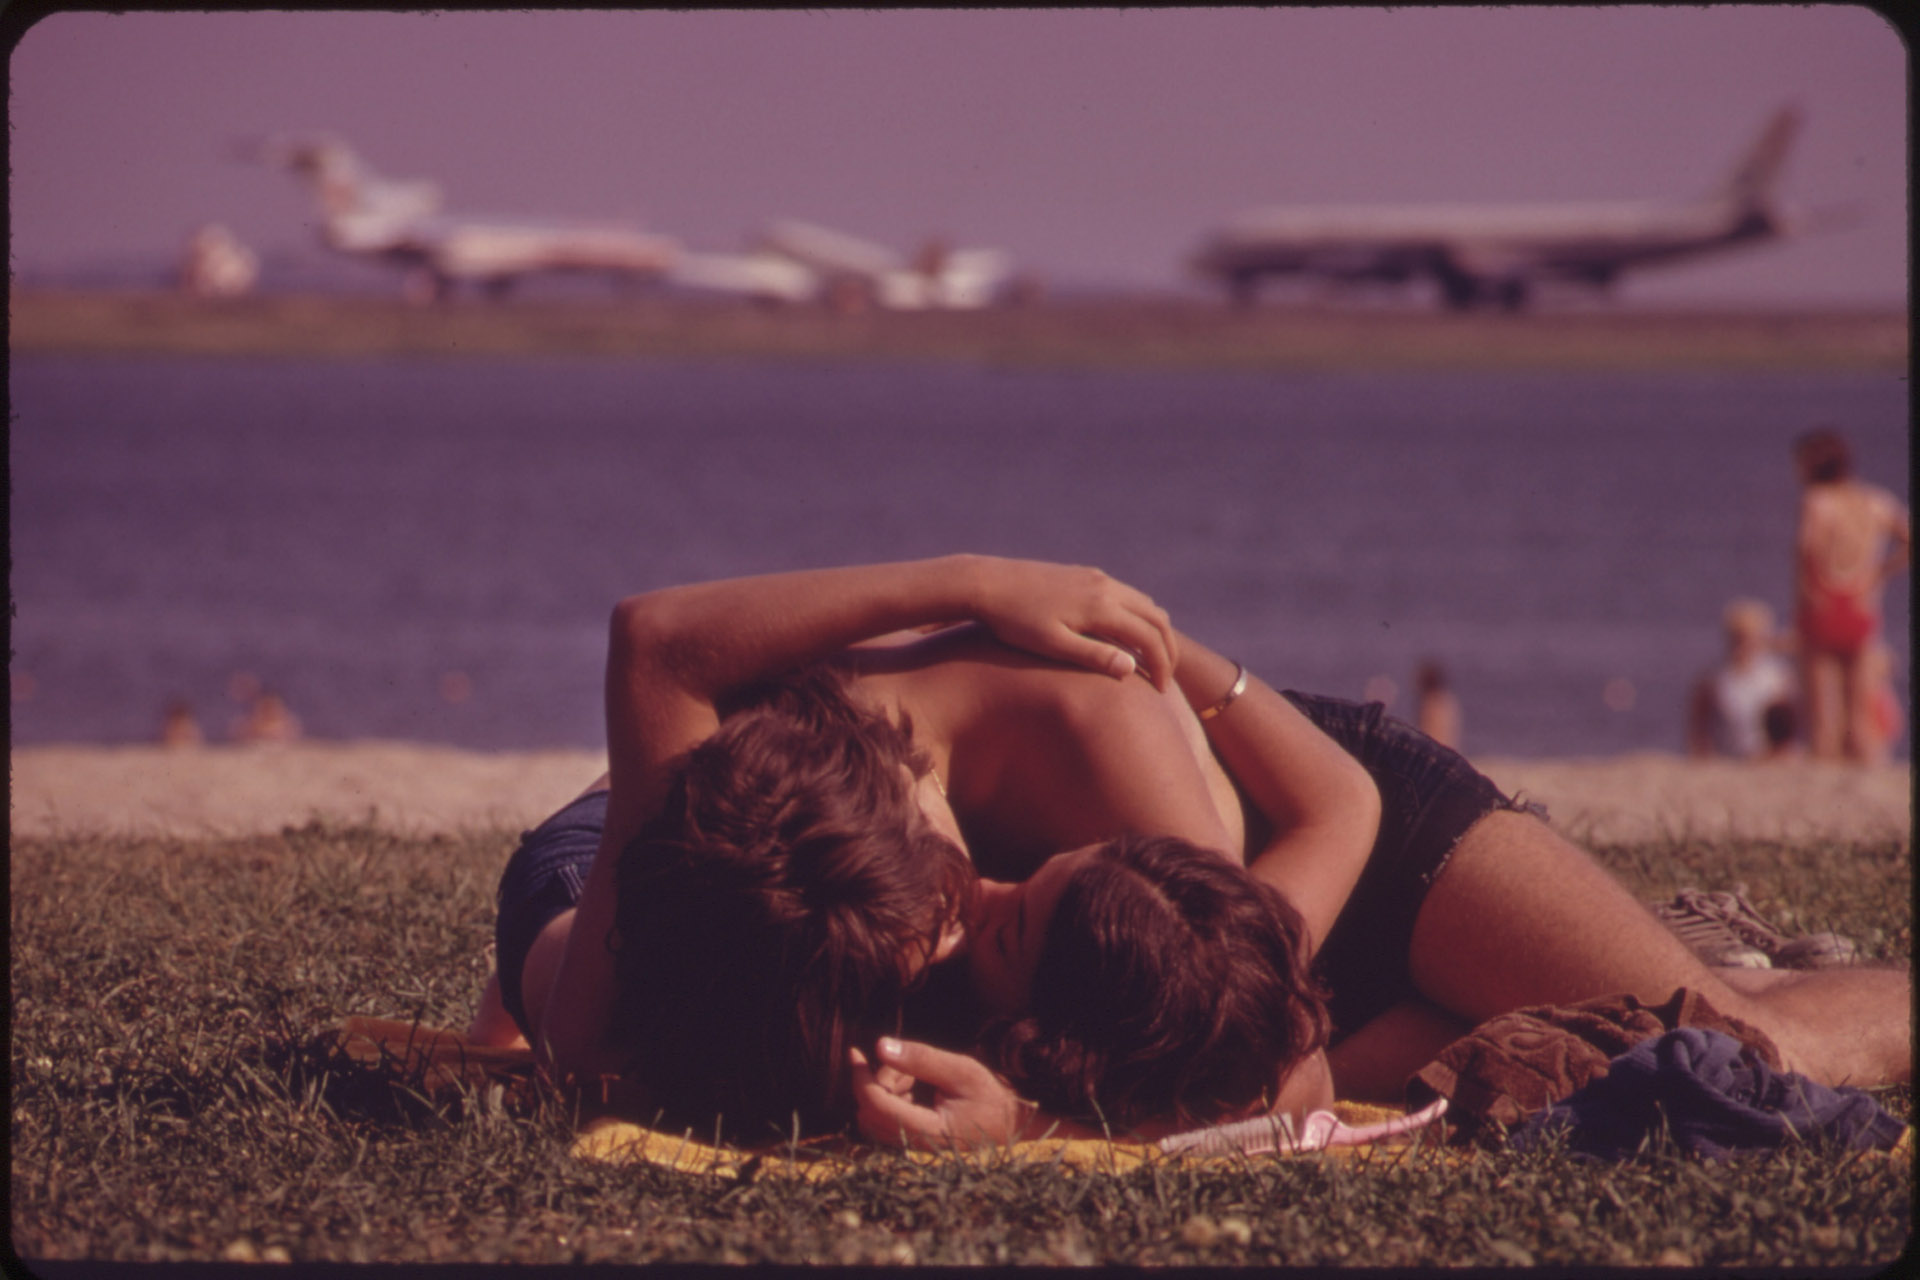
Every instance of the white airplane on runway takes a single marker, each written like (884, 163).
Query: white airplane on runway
(400, 222)
(852, 271)
(1499, 254)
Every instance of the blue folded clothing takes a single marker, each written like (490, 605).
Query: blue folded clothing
(1714, 1097)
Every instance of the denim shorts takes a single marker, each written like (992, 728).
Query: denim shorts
(543, 878)
(1429, 796)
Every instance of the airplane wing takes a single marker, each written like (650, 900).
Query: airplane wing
(831, 252)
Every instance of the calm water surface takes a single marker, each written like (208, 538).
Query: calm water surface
(428, 550)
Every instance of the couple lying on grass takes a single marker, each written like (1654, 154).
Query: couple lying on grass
(1164, 893)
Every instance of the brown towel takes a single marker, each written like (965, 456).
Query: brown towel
(1511, 1066)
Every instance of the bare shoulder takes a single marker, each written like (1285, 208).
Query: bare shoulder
(1041, 757)
(963, 681)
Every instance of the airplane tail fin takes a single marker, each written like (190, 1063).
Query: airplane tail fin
(1751, 183)
(342, 183)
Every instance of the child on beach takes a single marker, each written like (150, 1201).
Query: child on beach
(1728, 711)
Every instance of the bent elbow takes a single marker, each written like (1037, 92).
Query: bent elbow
(1363, 805)
(643, 626)
(635, 618)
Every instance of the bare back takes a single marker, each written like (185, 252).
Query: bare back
(1038, 758)
(1845, 531)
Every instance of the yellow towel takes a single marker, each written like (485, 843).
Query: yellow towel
(615, 1141)
(446, 1060)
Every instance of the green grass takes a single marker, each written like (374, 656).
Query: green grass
(1137, 332)
(170, 1102)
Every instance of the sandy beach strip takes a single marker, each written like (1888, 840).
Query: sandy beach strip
(231, 790)
(244, 790)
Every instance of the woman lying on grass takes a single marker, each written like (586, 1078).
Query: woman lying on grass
(765, 890)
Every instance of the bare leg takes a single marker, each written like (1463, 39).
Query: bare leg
(1858, 740)
(1851, 1004)
(1522, 917)
(1372, 1064)
(1826, 712)
(492, 1024)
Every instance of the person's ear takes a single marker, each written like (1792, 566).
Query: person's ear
(951, 938)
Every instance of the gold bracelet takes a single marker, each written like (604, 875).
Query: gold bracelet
(1239, 687)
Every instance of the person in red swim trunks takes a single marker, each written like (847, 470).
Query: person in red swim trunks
(1853, 539)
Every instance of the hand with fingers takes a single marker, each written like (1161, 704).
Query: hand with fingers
(1077, 615)
(970, 1105)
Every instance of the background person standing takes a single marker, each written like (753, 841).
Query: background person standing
(1853, 539)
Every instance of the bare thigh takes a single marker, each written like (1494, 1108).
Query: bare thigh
(543, 962)
(1822, 692)
(1520, 916)
(492, 1024)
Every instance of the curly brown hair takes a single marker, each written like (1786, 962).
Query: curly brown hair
(1171, 984)
(776, 910)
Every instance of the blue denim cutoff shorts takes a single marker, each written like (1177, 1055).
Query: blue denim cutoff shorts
(543, 878)
(1429, 796)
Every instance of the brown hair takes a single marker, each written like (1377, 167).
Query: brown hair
(1824, 456)
(769, 916)
(1171, 983)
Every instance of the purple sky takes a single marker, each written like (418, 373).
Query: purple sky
(1096, 145)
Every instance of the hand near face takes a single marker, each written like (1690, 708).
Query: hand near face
(970, 1107)
(1079, 616)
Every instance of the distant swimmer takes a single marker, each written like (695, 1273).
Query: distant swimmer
(1744, 707)
(1853, 539)
(179, 727)
(267, 720)
(1436, 709)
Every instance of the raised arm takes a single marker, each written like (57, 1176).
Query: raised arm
(1324, 809)
(673, 654)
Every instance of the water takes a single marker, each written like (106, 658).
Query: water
(376, 539)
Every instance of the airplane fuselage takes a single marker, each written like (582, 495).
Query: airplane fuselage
(1455, 243)
(1497, 253)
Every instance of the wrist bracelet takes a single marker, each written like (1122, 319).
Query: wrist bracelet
(1239, 687)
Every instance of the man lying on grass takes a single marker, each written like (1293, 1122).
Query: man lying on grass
(799, 822)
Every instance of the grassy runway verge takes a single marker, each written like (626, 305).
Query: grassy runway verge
(1142, 333)
(165, 1105)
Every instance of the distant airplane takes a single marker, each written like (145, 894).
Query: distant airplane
(1498, 254)
(400, 222)
(853, 271)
